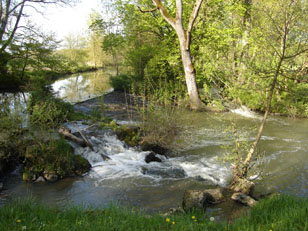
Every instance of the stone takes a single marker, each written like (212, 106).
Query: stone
(50, 176)
(201, 199)
(151, 157)
(40, 179)
(193, 199)
(244, 199)
(216, 194)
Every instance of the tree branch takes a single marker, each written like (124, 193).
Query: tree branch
(179, 11)
(164, 12)
(14, 30)
(147, 11)
(192, 20)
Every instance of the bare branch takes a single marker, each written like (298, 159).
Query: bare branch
(14, 30)
(179, 11)
(192, 20)
(147, 11)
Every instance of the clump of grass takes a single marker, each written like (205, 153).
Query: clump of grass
(281, 213)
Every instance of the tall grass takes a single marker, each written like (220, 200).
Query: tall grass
(283, 213)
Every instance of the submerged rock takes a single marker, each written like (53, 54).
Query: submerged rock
(244, 199)
(151, 157)
(201, 199)
(165, 173)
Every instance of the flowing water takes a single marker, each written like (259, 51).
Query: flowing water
(128, 180)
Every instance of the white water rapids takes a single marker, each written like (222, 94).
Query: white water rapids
(128, 162)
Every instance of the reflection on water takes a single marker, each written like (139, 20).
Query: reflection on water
(81, 87)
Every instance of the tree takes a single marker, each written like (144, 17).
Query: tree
(96, 38)
(282, 33)
(184, 37)
(32, 51)
(11, 13)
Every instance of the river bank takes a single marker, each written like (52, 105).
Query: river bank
(282, 213)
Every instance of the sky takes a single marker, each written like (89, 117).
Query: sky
(66, 20)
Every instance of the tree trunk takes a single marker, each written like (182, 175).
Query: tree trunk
(185, 40)
(190, 78)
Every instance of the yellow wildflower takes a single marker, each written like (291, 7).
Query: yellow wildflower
(193, 217)
(167, 219)
(173, 222)
(18, 221)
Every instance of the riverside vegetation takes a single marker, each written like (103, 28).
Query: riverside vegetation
(283, 213)
(251, 53)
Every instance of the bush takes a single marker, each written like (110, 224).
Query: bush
(121, 82)
(45, 110)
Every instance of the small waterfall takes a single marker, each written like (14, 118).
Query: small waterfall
(128, 162)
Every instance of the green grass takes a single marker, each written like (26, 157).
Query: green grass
(279, 213)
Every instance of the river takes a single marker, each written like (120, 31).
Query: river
(127, 180)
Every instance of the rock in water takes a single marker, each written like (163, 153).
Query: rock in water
(151, 157)
(201, 199)
(243, 199)
(193, 199)
(216, 195)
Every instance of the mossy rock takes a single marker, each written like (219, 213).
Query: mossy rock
(53, 160)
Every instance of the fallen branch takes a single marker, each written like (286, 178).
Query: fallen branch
(84, 138)
(67, 134)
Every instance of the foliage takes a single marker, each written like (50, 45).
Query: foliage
(11, 130)
(161, 125)
(121, 82)
(279, 213)
(237, 151)
(235, 50)
(53, 157)
(44, 109)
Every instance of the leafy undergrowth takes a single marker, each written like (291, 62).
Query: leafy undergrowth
(278, 213)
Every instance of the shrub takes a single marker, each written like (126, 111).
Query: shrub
(45, 110)
(121, 82)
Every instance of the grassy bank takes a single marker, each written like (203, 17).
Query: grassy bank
(279, 213)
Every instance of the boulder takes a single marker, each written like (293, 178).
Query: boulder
(216, 195)
(151, 157)
(201, 199)
(244, 199)
(194, 199)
